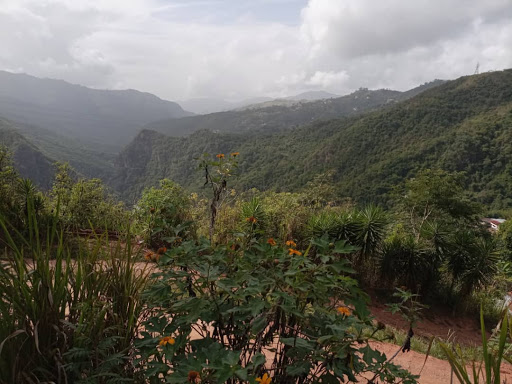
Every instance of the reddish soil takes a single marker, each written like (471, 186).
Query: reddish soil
(438, 323)
(436, 371)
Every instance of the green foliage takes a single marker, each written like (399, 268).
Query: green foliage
(435, 195)
(163, 215)
(405, 261)
(85, 203)
(408, 305)
(505, 240)
(234, 315)
(439, 239)
(66, 316)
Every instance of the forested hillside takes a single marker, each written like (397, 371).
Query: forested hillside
(461, 125)
(108, 119)
(30, 161)
(85, 159)
(278, 115)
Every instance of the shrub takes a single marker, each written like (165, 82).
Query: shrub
(85, 203)
(230, 314)
(164, 215)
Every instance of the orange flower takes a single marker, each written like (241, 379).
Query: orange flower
(166, 340)
(161, 250)
(265, 379)
(149, 255)
(251, 219)
(193, 377)
(291, 243)
(292, 251)
(220, 156)
(344, 311)
(272, 242)
(235, 154)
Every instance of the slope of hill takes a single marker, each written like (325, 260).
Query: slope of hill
(461, 125)
(27, 158)
(84, 159)
(278, 115)
(106, 118)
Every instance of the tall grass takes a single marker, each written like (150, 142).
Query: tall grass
(488, 369)
(66, 316)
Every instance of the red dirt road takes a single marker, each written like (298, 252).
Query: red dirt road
(436, 371)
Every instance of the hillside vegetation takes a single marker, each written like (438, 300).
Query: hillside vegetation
(30, 162)
(461, 125)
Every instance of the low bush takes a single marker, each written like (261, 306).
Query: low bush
(258, 310)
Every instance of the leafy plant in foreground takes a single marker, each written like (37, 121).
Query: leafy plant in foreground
(229, 314)
(66, 317)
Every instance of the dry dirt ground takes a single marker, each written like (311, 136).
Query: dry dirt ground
(436, 371)
(439, 323)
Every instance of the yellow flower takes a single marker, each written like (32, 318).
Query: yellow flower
(235, 154)
(291, 243)
(193, 377)
(265, 379)
(292, 251)
(220, 156)
(166, 340)
(271, 241)
(344, 311)
(251, 219)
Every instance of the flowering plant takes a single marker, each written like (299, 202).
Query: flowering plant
(255, 313)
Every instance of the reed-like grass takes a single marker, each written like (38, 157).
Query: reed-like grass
(66, 315)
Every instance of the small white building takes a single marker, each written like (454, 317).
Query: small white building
(493, 223)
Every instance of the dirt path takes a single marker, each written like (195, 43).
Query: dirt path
(436, 322)
(436, 371)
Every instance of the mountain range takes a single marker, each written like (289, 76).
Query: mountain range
(370, 141)
(103, 119)
(277, 115)
(203, 106)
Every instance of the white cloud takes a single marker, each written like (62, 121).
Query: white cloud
(328, 79)
(181, 49)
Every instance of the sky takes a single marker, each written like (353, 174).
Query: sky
(237, 49)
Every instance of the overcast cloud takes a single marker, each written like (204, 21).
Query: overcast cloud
(236, 49)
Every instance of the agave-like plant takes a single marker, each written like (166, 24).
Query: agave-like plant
(372, 224)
